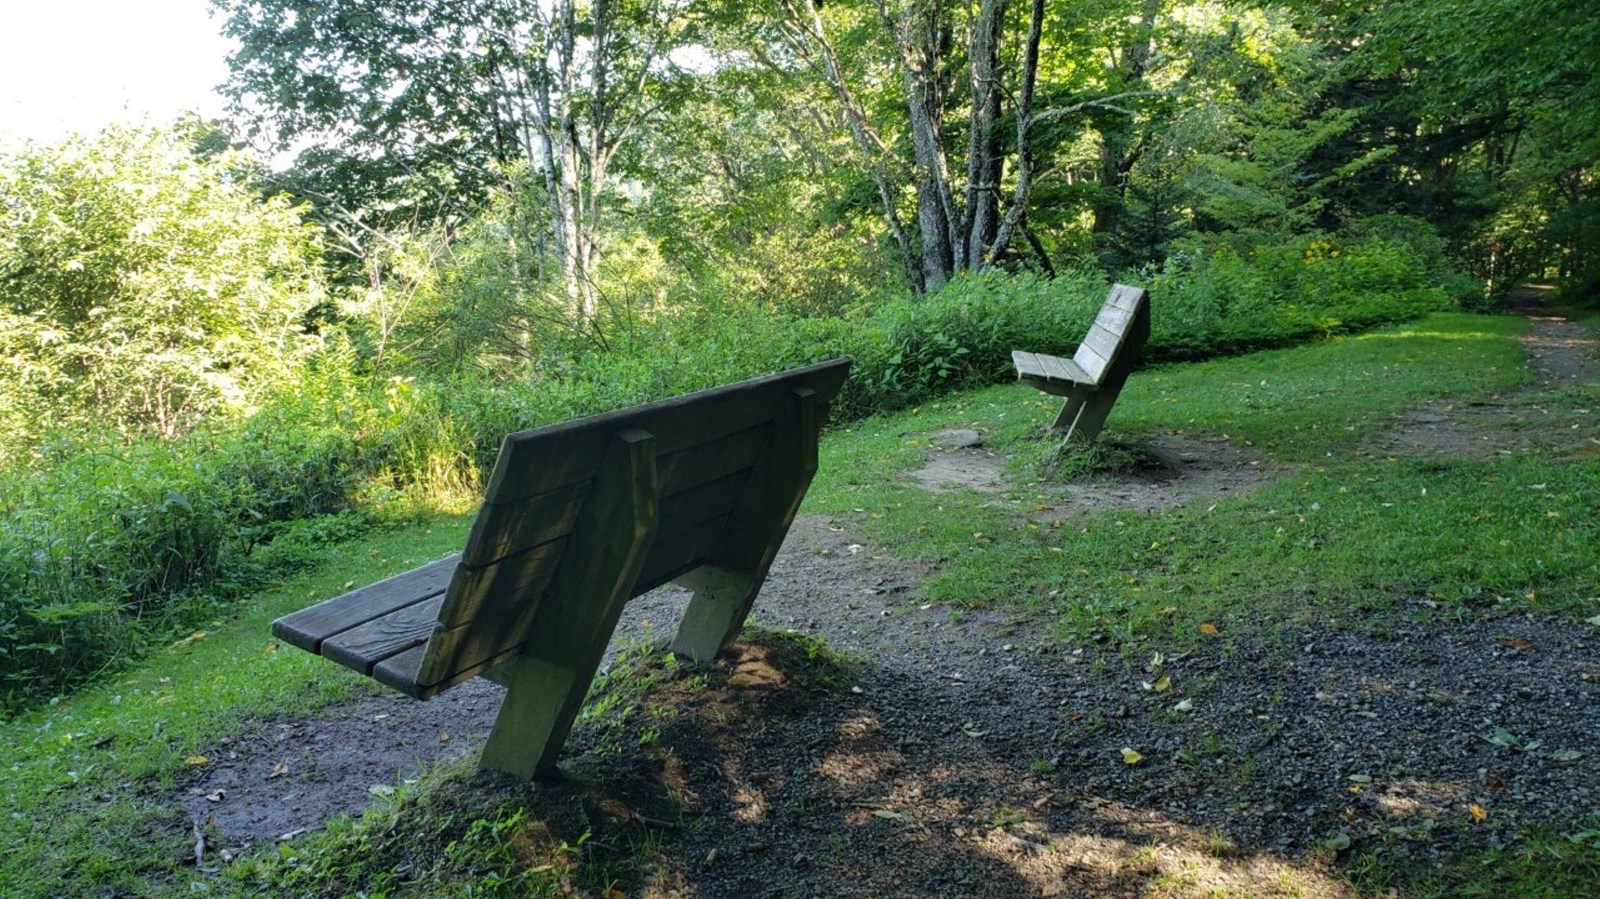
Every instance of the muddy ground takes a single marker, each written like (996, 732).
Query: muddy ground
(964, 755)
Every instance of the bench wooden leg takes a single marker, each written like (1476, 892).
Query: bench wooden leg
(721, 595)
(543, 698)
(1068, 417)
(571, 627)
(725, 590)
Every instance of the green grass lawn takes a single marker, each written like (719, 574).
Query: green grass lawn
(1341, 538)
(1344, 532)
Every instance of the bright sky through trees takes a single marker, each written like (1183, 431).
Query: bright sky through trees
(78, 65)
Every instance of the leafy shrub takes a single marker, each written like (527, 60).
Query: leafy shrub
(143, 287)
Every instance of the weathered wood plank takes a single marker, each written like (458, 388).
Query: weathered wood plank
(1028, 365)
(504, 529)
(673, 556)
(755, 531)
(1114, 319)
(543, 459)
(521, 575)
(1126, 297)
(710, 461)
(307, 628)
(363, 647)
(696, 506)
(1093, 364)
(1103, 342)
(400, 672)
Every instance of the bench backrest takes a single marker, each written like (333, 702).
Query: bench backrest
(702, 459)
(1109, 333)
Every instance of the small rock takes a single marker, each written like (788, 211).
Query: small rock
(956, 438)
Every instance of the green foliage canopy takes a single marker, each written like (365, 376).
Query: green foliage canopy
(143, 287)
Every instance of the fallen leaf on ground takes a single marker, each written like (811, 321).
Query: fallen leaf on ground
(1130, 756)
(1208, 629)
(1519, 644)
(1502, 737)
(889, 814)
(1185, 705)
(195, 761)
(279, 770)
(1479, 813)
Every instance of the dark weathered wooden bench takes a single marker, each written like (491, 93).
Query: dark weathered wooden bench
(578, 518)
(1093, 377)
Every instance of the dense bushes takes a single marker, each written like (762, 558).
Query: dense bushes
(106, 545)
(143, 287)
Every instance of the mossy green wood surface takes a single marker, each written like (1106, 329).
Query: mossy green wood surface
(571, 627)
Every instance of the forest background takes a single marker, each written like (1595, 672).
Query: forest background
(503, 213)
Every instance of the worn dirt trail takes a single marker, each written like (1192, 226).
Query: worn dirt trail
(971, 756)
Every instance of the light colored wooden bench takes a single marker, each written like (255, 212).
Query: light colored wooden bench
(1093, 377)
(578, 518)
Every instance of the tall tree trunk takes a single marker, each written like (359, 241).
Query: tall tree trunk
(985, 162)
(1024, 187)
(919, 38)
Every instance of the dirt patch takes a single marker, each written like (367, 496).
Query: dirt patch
(1562, 352)
(285, 776)
(1181, 468)
(1174, 469)
(967, 469)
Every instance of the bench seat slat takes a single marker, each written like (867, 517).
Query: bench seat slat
(363, 647)
(308, 628)
(1027, 364)
(1044, 367)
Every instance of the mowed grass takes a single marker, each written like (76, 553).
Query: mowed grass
(1341, 536)
(1343, 532)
